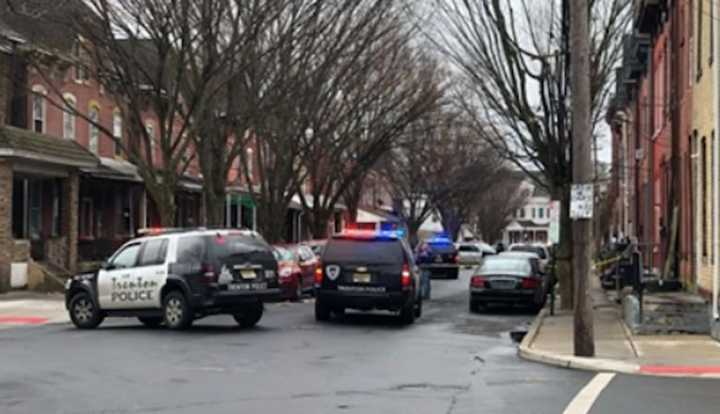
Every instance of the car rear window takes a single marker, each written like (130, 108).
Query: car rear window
(441, 248)
(284, 254)
(506, 266)
(364, 251)
(467, 248)
(531, 249)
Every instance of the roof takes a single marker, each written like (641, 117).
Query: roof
(45, 23)
(540, 191)
(26, 144)
(365, 215)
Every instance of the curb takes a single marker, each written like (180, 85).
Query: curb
(526, 352)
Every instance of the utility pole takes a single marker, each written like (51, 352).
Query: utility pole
(582, 165)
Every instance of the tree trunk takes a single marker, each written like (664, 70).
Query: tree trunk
(413, 227)
(215, 199)
(563, 254)
(164, 199)
(272, 223)
(319, 223)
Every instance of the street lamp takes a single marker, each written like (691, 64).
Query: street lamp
(309, 133)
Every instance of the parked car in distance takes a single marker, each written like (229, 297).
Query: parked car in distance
(174, 276)
(366, 270)
(507, 280)
(469, 254)
(542, 252)
(308, 263)
(439, 256)
(289, 273)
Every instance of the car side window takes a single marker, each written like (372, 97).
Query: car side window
(153, 252)
(127, 257)
(191, 250)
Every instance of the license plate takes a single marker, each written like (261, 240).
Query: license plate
(361, 277)
(247, 286)
(503, 284)
(248, 274)
(438, 259)
(362, 289)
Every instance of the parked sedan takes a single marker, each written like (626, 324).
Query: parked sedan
(469, 254)
(507, 280)
(308, 261)
(289, 272)
(542, 252)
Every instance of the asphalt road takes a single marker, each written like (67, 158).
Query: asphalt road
(448, 362)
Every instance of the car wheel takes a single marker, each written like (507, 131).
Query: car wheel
(83, 312)
(454, 273)
(250, 316)
(298, 290)
(151, 322)
(322, 312)
(176, 311)
(407, 314)
(476, 307)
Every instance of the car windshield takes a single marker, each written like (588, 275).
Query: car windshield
(498, 265)
(371, 251)
(530, 249)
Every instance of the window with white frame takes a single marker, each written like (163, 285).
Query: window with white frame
(250, 162)
(39, 112)
(93, 130)
(80, 55)
(150, 129)
(117, 130)
(69, 117)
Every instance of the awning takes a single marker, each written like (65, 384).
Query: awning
(115, 169)
(190, 183)
(242, 200)
(29, 145)
(310, 201)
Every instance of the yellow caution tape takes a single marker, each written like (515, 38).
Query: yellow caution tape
(607, 261)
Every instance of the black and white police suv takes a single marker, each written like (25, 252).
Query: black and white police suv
(367, 270)
(174, 276)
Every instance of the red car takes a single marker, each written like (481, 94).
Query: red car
(296, 269)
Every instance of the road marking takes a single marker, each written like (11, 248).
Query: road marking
(22, 320)
(584, 400)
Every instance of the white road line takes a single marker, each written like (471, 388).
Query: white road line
(584, 400)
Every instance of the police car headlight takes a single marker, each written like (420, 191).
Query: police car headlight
(270, 274)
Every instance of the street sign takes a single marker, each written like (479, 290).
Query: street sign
(554, 222)
(581, 201)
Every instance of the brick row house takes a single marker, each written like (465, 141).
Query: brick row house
(664, 123)
(67, 192)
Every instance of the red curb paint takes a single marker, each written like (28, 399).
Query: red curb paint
(22, 320)
(680, 369)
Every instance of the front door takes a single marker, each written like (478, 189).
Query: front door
(151, 273)
(114, 281)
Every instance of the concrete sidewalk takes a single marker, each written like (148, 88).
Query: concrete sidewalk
(550, 341)
(28, 308)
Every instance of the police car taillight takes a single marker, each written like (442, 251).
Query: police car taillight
(318, 274)
(406, 277)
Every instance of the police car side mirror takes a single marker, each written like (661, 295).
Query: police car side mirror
(106, 266)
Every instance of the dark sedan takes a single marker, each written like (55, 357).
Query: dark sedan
(507, 280)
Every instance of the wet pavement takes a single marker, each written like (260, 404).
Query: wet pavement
(450, 361)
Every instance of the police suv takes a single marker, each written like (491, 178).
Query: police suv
(174, 276)
(365, 270)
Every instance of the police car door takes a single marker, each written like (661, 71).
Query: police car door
(114, 280)
(150, 274)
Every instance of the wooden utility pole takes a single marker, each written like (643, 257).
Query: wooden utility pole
(582, 165)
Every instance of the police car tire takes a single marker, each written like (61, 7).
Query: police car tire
(322, 311)
(151, 322)
(407, 314)
(89, 316)
(250, 317)
(176, 311)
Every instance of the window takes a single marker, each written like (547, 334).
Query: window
(150, 129)
(93, 130)
(127, 257)
(191, 250)
(541, 212)
(533, 212)
(117, 130)
(522, 213)
(69, 117)
(698, 48)
(87, 217)
(80, 56)
(38, 109)
(153, 252)
(125, 214)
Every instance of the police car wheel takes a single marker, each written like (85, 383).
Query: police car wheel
(250, 316)
(322, 311)
(407, 314)
(176, 311)
(151, 322)
(83, 312)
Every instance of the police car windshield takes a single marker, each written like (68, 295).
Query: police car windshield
(372, 251)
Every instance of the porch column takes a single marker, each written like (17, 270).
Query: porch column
(143, 210)
(71, 212)
(228, 211)
(6, 238)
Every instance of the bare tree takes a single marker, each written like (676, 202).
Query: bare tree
(513, 57)
(494, 209)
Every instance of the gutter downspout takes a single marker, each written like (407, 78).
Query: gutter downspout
(716, 170)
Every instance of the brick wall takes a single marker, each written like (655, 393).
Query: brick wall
(57, 251)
